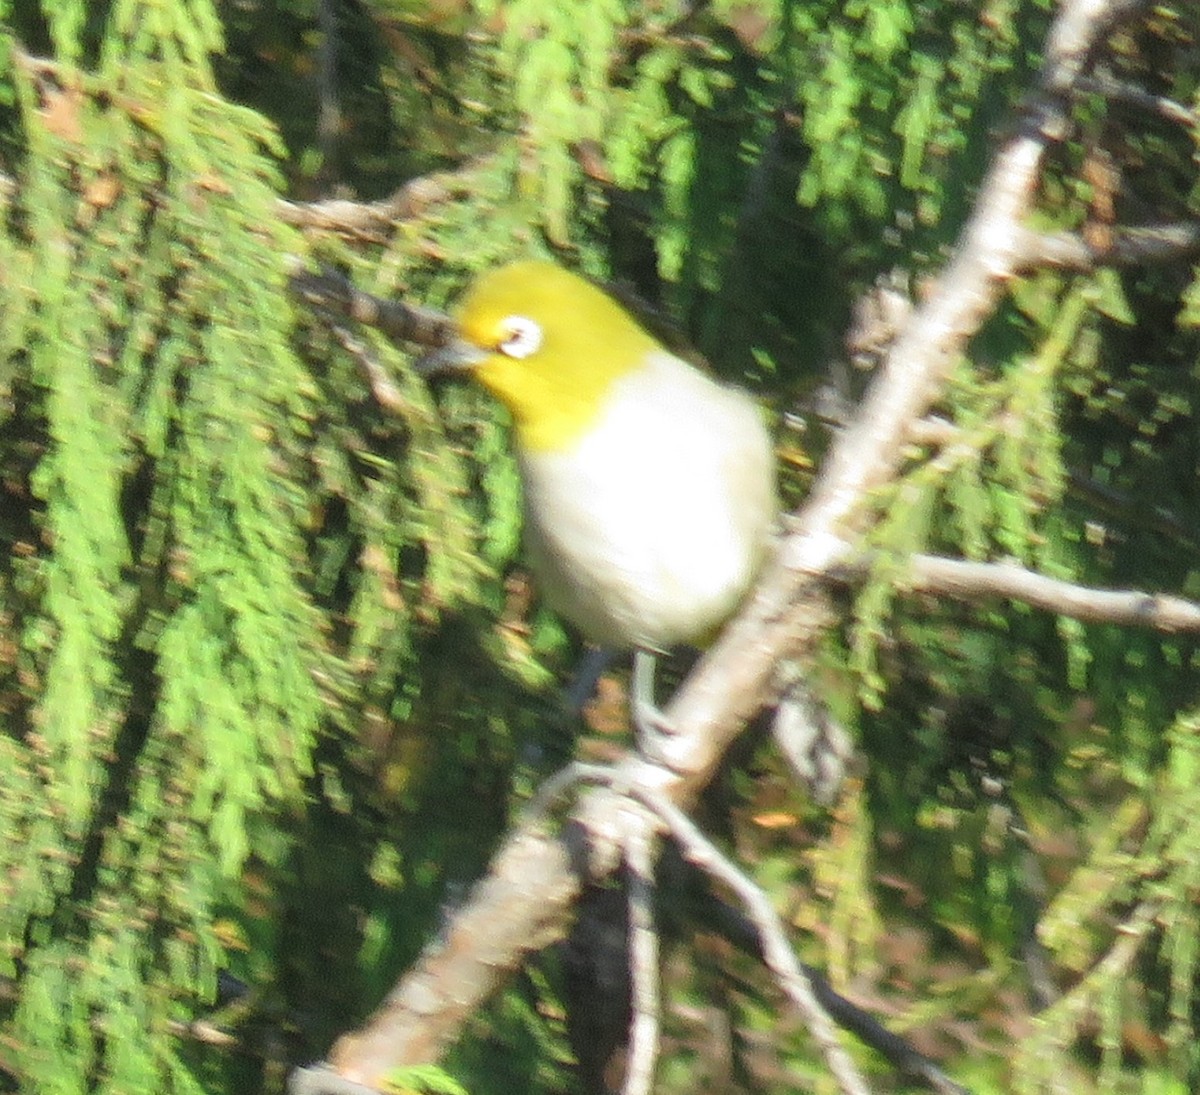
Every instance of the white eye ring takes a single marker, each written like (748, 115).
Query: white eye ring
(524, 337)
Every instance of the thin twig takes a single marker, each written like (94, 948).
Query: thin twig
(1117, 91)
(643, 956)
(1110, 970)
(933, 430)
(205, 1032)
(330, 294)
(1127, 247)
(535, 877)
(777, 952)
(559, 783)
(972, 581)
(377, 218)
(331, 291)
(744, 932)
(732, 923)
(1113, 966)
(38, 66)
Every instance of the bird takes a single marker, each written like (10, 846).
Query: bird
(648, 487)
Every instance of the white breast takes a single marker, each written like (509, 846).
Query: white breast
(649, 532)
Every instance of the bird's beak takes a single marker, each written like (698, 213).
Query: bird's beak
(452, 357)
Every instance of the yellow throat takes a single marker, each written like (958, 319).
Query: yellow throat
(554, 345)
(648, 487)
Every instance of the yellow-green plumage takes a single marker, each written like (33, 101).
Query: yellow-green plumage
(587, 340)
(649, 489)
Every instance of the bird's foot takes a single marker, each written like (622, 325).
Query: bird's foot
(651, 725)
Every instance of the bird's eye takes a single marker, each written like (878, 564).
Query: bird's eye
(522, 337)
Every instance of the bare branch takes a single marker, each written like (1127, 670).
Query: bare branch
(519, 907)
(1116, 91)
(643, 956)
(525, 900)
(376, 219)
(382, 386)
(1127, 247)
(971, 581)
(777, 952)
(733, 677)
(558, 784)
(744, 933)
(330, 291)
(1112, 969)
(1078, 32)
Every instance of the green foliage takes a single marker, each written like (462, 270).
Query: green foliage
(1145, 862)
(268, 679)
(424, 1080)
(168, 645)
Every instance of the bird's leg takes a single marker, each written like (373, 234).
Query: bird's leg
(595, 661)
(649, 722)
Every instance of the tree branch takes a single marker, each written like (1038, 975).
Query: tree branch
(1128, 247)
(643, 956)
(732, 923)
(733, 678)
(1129, 95)
(330, 291)
(525, 900)
(378, 218)
(970, 581)
(519, 907)
(777, 952)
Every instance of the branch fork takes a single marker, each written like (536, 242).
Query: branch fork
(526, 899)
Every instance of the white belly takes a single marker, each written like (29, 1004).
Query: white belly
(650, 531)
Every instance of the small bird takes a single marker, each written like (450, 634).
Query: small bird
(649, 488)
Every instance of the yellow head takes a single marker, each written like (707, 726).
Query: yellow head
(549, 345)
